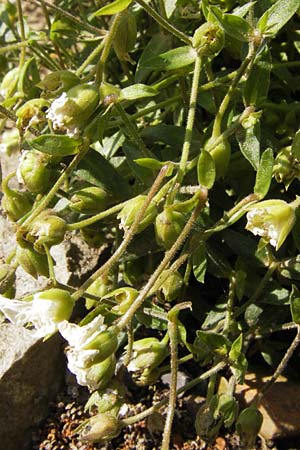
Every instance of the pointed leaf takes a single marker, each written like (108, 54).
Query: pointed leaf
(112, 8)
(248, 138)
(234, 26)
(258, 82)
(136, 91)
(277, 16)
(200, 262)
(56, 144)
(295, 305)
(264, 173)
(173, 59)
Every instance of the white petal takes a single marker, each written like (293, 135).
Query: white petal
(78, 336)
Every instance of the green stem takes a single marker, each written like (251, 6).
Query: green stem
(133, 132)
(90, 220)
(280, 368)
(90, 58)
(22, 33)
(173, 335)
(230, 303)
(130, 341)
(258, 291)
(226, 100)
(127, 238)
(50, 195)
(51, 266)
(108, 41)
(10, 47)
(190, 122)
(164, 23)
(82, 23)
(56, 47)
(169, 255)
(190, 385)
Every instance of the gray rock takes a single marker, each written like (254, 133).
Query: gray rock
(31, 373)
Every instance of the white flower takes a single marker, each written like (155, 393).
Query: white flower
(45, 311)
(273, 220)
(79, 337)
(57, 114)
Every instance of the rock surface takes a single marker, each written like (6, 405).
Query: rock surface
(31, 373)
(279, 406)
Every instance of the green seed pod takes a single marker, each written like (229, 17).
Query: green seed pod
(124, 297)
(125, 37)
(101, 427)
(148, 353)
(208, 40)
(109, 93)
(248, 425)
(34, 171)
(15, 204)
(55, 83)
(221, 155)
(7, 278)
(72, 109)
(89, 200)
(110, 399)
(106, 342)
(48, 229)
(131, 209)
(32, 113)
(31, 261)
(170, 287)
(100, 374)
(168, 225)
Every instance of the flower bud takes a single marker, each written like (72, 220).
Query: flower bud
(248, 425)
(273, 220)
(34, 171)
(15, 204)
(48, 229)
(208, 40)
(56, 83)
(101, 427)
(125, 37)
(55, 303)
(104, 344)
(221, 155)
(170, 287)
(31, 261)
(89, 200)
(286, 167)
(148, 353)
(72, 109)
(7, 277)
(32, 113)
(109, 93)
(168, 225)
(131, 209)
(98, 375)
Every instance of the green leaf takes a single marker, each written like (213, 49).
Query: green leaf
(151, 163)
(277, 16)
(112, 8)
(173, 59)
(199, 262)
(136, 91)
(56, 144)
(264, 173)
(296, 146)
(234, 26)
(238, 360)
(295, 304)
(248, 137)
(132, 153)
(214, 342)
(96, 170)
(206, 169)
(159, 43)
(257, 85)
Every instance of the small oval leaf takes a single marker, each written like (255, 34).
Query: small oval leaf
(136, 91)
(56, 144)
(173, 59)
(206, 169)
(234, 26)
